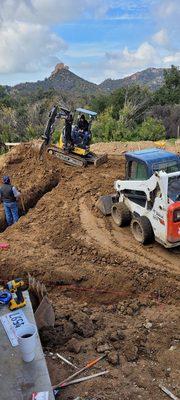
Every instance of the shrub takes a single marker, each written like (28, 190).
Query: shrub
(151, 129)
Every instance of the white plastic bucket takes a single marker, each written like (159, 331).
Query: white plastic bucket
(27, 336)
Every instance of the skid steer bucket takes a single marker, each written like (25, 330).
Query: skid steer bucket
(42, 307)
(105, 203)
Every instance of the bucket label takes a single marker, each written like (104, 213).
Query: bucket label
(11, 322)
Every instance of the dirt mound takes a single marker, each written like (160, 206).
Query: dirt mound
(116, 148)
(110, 293)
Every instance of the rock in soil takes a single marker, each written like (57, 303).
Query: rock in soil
(103, 349)
(113, 358)
(82, 325)
(74, 346)
(131, 352)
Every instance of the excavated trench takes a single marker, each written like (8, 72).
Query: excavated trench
(31, 197)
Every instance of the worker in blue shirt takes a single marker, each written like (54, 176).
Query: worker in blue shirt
(8, 196)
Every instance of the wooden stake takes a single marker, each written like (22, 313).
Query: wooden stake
(66, 361)
(171, 395)
(89, 365)
(85, 378)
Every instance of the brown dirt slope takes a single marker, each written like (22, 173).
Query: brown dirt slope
(109, 292)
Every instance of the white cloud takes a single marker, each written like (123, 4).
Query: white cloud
(167, 16)
(172, 58)
(118, 64)
(51, 11)
(161, 50)
(26, 47)
(161, 38)
(27, 42)
(142, 57)
(167, 8)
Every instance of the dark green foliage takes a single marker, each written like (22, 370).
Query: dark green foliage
(99, 103)
(135, 113)
(117, 100)
(151, 129)
(6, 99)
(170, 115)
(169, 93)
(22, 119)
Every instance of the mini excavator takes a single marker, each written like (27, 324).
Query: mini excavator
(71, 148)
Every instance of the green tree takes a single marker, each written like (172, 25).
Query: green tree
(136, 96)
(117, 99)
(169, 93)
(6, 99)
(151, 129)
(99, 103)
(105, 127)
(22, 119)
(172, 77)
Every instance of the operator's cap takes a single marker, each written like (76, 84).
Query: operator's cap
(6, 179)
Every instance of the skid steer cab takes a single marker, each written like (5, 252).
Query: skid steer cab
(149, 197)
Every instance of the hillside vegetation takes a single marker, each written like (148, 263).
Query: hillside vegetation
(136, 113)
(130, 112)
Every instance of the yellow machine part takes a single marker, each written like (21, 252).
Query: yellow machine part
(77, 150)
(160, 143)
(14, 306)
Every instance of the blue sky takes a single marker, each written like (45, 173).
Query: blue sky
(97, 39)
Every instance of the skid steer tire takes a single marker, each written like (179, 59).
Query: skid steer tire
(121, 214)
(142, 230)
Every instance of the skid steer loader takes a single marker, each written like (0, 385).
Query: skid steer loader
(149, 197)
(68, 150)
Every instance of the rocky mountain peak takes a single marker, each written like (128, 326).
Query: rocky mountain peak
(59, 67)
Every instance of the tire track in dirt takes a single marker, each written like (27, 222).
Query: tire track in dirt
(119, 241)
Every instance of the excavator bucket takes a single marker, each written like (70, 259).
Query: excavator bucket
(99, 160)
(92, 158)
(42, 307)
(105, 203)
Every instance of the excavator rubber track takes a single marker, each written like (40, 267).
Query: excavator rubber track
(68, 158)
(78, 161)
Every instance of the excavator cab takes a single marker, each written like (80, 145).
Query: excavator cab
(80, 139)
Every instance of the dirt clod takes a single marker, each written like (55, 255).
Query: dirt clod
(131, 352)
(103, 348)
(82, 325)
(74, 346)
(113, 358)
(58, 335)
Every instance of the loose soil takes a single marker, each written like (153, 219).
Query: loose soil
(110, 294)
